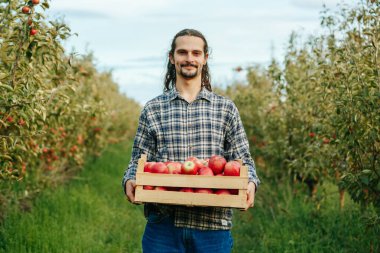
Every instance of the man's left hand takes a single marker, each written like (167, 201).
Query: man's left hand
(250, 195)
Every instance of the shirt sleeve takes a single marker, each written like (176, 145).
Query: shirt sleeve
(144, 143)
(236, 145)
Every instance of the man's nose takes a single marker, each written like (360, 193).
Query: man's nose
(190, 57)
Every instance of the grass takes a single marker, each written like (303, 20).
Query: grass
(90, 214)
(291, 223)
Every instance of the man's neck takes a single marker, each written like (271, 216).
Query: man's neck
(189, 89)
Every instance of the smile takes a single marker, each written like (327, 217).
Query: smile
(189, 66)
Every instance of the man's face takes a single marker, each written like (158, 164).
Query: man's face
(189, 57)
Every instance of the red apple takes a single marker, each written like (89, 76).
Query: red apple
(234, 191)
(10, 119)
(192, 158)
(203, 190)
(33, 32)
(197, 161)
(148, 187)
(160, 167)
(35, 2)
(148, 166)
(205, 171)
(189, 168)
(160, 188)
(217, 163)
(25, 9)
(21, 122)
(232, 168)
(173, 189)
(204, 162)
(174, 167)
(222, 192)
(186, 190)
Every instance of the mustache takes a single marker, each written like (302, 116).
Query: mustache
(189, 65)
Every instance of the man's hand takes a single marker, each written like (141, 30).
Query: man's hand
(250, 195)
(130, 190)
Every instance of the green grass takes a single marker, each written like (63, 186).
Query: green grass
(90, 214)
(285, 223)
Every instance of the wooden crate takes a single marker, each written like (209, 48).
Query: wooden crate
(191, 181)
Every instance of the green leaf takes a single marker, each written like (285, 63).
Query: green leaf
(6, 87)
(367, 171)
(6, 157)
(364, 180)
(3, 76)
(19, 158)
(3, 123)
(45, 5)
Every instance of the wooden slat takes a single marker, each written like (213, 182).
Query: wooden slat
(140, 169)
(177, 180)
(243, 193)
(141, 163)
(189, 199)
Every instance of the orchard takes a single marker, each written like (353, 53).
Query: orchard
(315, 117)
(56, 110)
(312, 119)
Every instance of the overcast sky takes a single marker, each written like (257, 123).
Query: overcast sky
(132, 37)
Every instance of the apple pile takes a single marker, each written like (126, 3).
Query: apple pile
(216, 165)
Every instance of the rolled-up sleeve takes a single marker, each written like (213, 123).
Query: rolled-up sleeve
(144, 143)
(237, 146)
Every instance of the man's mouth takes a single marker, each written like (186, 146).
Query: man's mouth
(189, 66)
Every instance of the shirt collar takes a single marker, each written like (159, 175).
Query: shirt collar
(204, 93)
(173, 94)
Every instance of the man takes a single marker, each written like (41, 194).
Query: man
(189, 120)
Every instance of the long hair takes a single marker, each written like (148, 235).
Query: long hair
(170, 76)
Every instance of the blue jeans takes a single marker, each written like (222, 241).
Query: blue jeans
(161, 236)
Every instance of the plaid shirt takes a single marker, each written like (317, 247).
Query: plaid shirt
(171, 129)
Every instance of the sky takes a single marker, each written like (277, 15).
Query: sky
(132, 38)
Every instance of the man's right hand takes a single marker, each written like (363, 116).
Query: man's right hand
(130, 187)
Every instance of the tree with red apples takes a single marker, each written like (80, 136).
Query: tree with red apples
(47, 130)
(317, 117)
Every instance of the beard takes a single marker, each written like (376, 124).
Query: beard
(188, 74)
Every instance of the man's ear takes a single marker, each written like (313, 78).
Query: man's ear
(171, 58)
(205, 60)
